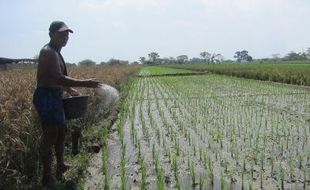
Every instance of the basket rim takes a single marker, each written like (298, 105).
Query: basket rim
(75, 97)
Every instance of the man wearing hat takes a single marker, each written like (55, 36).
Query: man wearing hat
(52, 81)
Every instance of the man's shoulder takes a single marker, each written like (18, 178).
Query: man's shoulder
(47, 54)
(47, 51)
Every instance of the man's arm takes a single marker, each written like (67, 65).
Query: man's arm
(50, 65)
(71, 91)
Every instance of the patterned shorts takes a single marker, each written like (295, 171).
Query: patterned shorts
(48, 103)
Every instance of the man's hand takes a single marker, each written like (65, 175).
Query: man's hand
(73, 92)
(92, 83)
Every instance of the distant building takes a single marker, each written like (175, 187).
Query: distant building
(7, 63)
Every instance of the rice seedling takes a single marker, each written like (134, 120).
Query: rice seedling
(143, 174)
(133, 133)
(281, 177)
(291, 169)
(193, 173)
(262, 157)
(301, 161)
(123, 174)
(242, 176)
(200, 153)
(158, 135)
(177, 147)
(105, 155)
(139, 148)
(272, 165)
(178, 185)
(175, 166)
(261, 178)
(210, 166)
(251, 185)
(160, 179)
(201, 182)
(153, 152)
(222, 181)
(304, 179)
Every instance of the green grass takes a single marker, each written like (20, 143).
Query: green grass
(284, 72)
(158, 70)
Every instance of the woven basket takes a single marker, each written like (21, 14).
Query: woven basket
(75, 106)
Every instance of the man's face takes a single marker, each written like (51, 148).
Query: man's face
(61, 38)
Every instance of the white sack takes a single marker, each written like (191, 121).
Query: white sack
(108, 94)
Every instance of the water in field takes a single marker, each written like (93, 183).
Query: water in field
(210, 132)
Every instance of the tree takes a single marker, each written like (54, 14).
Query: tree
(71, 64)
(196, 60)
(308, 53)
(172, 60)
(165, 60)
(182, 58)
(103, 63)
(206, 56)
(276, 56)
(168, 60)
(87, 63)
(153, 56)
(243, 56)
(216, 58)
(142, 60)
(294, 56)
(113, 61)
(212, 57)
(134, 63)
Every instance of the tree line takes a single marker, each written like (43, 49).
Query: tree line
(214, 58)
(204, 58)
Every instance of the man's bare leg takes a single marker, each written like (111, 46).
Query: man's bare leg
(50, 135)
(59, 150)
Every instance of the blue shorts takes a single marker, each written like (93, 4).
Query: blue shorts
(48, 103)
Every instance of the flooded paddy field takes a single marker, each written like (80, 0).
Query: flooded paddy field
(209, 132)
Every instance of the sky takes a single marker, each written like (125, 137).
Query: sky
(130, 29)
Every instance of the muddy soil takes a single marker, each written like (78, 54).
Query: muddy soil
(94, 177)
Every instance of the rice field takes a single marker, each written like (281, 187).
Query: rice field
(209, 132)
(20, 129)
(160, 71)
(297, 73)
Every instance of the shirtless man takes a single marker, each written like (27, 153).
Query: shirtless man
(52, 81)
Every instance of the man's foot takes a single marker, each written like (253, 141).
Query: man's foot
(75, 151)
(49, 181)
(62, 168)
(94, 148)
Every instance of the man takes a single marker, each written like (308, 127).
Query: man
(52, 81)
